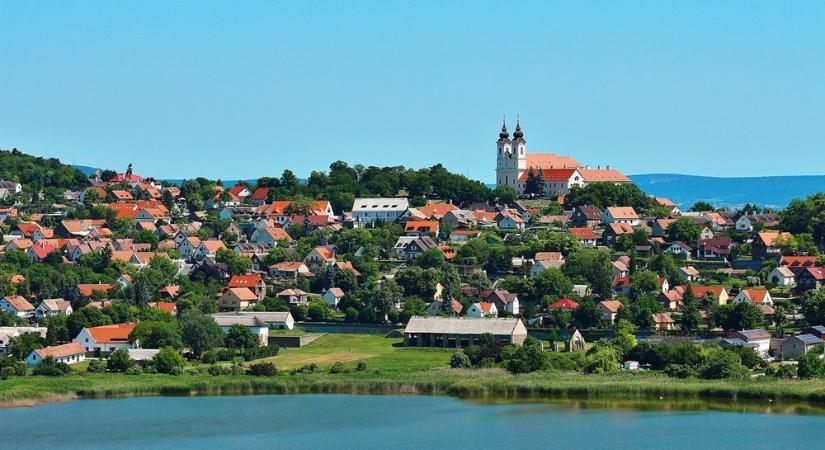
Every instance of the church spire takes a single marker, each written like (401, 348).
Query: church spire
(504, 133)
(518, 134)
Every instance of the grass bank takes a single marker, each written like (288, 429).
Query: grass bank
(393, 369)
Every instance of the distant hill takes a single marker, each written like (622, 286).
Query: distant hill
(88, 171)
(774, 192)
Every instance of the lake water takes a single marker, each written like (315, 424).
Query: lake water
(367, 422)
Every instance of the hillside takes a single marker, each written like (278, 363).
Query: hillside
(684, 190)
(34, 172)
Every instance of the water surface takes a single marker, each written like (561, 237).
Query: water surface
(377, 422)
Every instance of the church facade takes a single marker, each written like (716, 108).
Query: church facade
(560, 172)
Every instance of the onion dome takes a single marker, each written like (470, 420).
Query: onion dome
(504, 133)
(518, 134)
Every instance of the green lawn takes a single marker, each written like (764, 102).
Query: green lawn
(385, 354)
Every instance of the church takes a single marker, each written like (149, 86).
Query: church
(560, 172)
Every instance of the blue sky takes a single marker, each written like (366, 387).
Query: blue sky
(245, 89)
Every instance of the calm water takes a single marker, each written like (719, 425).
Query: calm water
(365, 422)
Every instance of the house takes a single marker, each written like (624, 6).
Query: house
(293, 296)
(781, 276)
(748, 221)
(273, 320)
(660, 226)
(768, 244)
(421, 227)
(367, 211)
(797, 263)
(333, 296)
(88, 290)
(251, 321)
(621, 286)
(460, 218)
(17, 305)
(758, 339)
(613, 231)
(509, 220)
(754, 296)
(798, 345)
(620, 214)
(671, 300)
(690, 273)
(482, 310)
(504, 300)
(663, 322)
(586, 216)
(436, 210)
(53, 307)
(610, 309)
(237, 299)
(437, 306)
(678, 249)
(669, 205)
(6, 333)
(586, 236)
(717, 248)
(409, 247)
(106, 338)
(810, 278)
(70, 353)
(320, 257)
(259, 196)
(464, 235)
(452, 332)
(718, 292)
(557, 182)
(269, 235)
(255, 283)
(563, 304)
(290, 270)
(544, 264)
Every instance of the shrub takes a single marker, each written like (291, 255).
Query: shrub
(811, 366)
(236, 369)
(11, 367)
(217, 369)
(723, 364)
(167, 360)
(265, 369)
(602, 359)
(51, 368)
(338, 367)
(784, 371)
(209, 358)
(97, 366)
(460, 360)
(134, 370)
(308, 368)
(526, 359)
(176, 370)
(362, 365)
(680, 371)
(119, 361)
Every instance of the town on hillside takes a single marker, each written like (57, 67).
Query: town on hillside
(117, 272)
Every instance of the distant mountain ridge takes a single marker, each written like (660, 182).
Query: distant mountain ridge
(773, 191)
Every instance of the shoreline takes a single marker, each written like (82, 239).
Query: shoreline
(485, 386)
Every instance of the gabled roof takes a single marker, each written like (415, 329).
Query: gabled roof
(603, 176)
(619, 228)
(112, 334)
(86, 290)
(437, 210)
(563, 303)
(551, 160)
(244, 281)
(61, 351)
(260, 194)
(797, 261)
(336, 292)
(818, 273)
(582, 233)
(464, 325)
(768, 237)
(611, 305)
(662, 318)
(242, 293)
(550, 174)
(19, 303)
(755, 295)
(622, 212)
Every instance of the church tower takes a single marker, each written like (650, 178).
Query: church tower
(511, 157)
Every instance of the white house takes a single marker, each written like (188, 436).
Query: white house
(782, 276)
(482, 310)
(70, 353)
(366, 211)
(759, 340)
(620, 214)
(754, 296)
(333, 296)
(106, 338)
(257, 326)
(53, 307)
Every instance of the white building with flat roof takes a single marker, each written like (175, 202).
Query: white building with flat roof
(366, 211)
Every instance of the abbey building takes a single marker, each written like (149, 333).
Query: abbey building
(560, 173)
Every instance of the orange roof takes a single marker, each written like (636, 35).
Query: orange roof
(287, 265)
(755, 295)
(548, 256)
(278, 234)
(86, 290)
(325, 252)
(612, 305)
(112, 334)
(430, 226)
(664, 202)
(620, 228)
(480, 214)
(485, 306)
(244, 281)
(243, 293)
(449, 252)
(622, 212)
(551, 160)
(19, 303)
(437, 210)
(166, 306)
(701, 291)
(662, 318)
(122, 195)
(603, 176)
(337, 292)
(213, 245)
(582, 233)
(768, 237)
(549, 174)
(60, 351)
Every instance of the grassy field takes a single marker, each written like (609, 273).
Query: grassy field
(392, 369)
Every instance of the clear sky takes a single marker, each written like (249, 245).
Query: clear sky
(244, 89)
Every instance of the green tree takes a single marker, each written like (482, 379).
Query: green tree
(119, 361)
(690, 318)
(157, 335)
(86, 318)
(168, 360)
(240, 337)
(683, 229)
(701, 206)
(811, 366)
(553, 282)
(525, 359)
(21, 346)
(200, 332)
(593, 267)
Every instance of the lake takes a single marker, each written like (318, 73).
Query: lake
(367, 422)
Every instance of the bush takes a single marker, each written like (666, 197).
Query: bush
(51, 368)
(784, 371)
(10, 367)
(460, 360)
(167, 360)
(265, 369)
(209, 358)
(260, 352)
(119, 361)
(236, 369)
(680, 371)
(217, 369)
(134, 370)
(176, 370)
(362, 365)
(723, 364)
(338, 367)
(602, 359)
(811, 366)
(308, 368)
(97, 366)
(525, 360)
